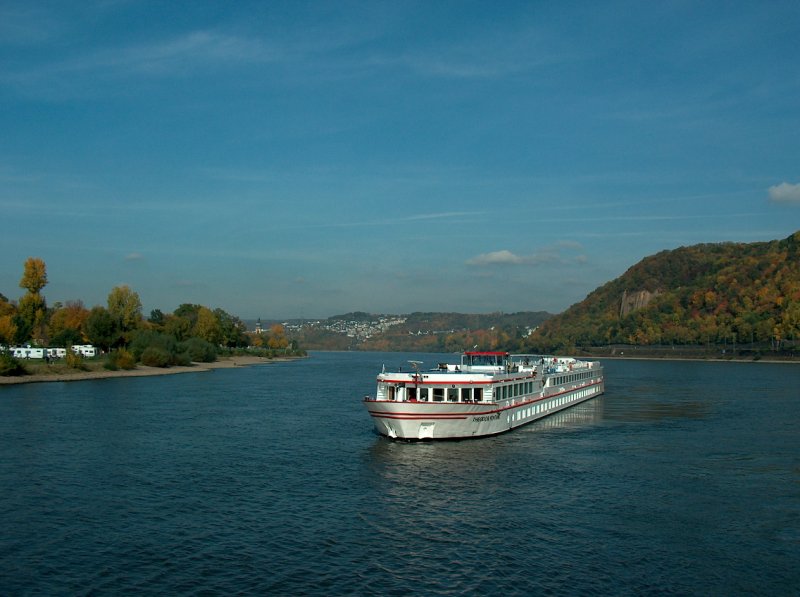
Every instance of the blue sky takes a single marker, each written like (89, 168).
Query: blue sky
(304, 159)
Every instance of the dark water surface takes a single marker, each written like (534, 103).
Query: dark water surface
(683, 479)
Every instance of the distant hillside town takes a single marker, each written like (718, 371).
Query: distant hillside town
(435, 332)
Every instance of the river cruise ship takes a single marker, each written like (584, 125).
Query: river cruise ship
(485, 394)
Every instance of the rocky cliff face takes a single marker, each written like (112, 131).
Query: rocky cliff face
(635, 300)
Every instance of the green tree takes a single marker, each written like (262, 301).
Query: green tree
(30, 318)
(178, 327)
(101, 328)
(188, 311)
(143, 339)
(157, 317)
(233, 329)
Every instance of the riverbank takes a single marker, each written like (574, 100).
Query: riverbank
(788, 361)
(140, 371)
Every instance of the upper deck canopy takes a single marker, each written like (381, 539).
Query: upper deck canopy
(484, 358)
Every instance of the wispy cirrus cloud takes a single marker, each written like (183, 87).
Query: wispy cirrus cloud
(175, 55)
(785, 193)
(97, 71)
(441, 216)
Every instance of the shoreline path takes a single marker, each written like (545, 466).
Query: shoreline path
(141, 371)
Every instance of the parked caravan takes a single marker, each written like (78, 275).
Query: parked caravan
(85, 350)
(26, 352)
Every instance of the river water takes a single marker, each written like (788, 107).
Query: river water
(684, 478)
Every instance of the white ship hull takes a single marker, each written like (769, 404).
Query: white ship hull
(466, 401)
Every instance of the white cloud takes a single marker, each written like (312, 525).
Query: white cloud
(496, 258)
(562, 253)
(785, 192)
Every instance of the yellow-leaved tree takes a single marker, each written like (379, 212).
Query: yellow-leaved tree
(125, 308)
(32, 310)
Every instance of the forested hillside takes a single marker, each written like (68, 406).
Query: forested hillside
(702, 294)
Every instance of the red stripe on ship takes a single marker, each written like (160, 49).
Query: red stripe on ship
(395, 415)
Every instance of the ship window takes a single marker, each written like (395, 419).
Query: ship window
(438, 394)
(466, 394)
(452, 394)
(412, 393)
(423, 394)
(478, 394)
(391, 392)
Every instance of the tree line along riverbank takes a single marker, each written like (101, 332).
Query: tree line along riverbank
(190, 334)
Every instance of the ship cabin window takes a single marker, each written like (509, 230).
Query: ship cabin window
(411, 394)
(391, 392)
(449, 394)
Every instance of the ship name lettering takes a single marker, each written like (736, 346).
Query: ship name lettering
(486, 417)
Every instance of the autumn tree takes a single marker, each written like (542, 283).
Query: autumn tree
(125, 308)
(66, 324)
(207, 326)
(31, 315)
(34, 277)
(277, 337)
(7, 327)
